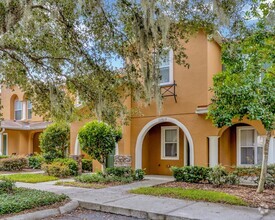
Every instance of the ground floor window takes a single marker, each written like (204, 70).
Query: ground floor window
(5, 144)
(169, 143)
(250, 146)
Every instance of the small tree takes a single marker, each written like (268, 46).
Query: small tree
(247, 87)
(98, 140)
(54, 141)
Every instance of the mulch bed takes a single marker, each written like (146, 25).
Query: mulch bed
(247, 193)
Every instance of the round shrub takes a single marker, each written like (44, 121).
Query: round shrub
(54, 141)
(139, 174)
(6, 186)
(56, 169)
(70, 163)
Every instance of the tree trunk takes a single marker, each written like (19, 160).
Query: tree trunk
(264, 164)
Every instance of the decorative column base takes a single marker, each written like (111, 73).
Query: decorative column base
(122, 161)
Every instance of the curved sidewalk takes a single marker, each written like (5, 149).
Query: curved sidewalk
(117, 200)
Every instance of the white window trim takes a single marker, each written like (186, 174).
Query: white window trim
(239, 129)
(7, 150)
(163, 129)
(171, 75)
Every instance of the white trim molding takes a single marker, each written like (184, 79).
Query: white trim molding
(163, 142)
(77, 146)
(148, 126)
(213, 150)
(271, 158)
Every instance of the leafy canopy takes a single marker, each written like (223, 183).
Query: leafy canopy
(58, 49)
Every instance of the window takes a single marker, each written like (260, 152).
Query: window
(169, 143)
(29, 108)
(250, 146)
(18, 110)
(166, 68)
(5, 144)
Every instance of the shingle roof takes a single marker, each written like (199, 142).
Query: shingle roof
(23, 125)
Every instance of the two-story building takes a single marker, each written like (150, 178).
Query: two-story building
(20, 127)
(181, 135)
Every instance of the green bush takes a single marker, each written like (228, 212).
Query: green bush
(57, 169)
(36, 161)
(119, 171)
(6, 186)
(138, 174)
(98, 140)
(54, 141)
(13, 163)
(22, 199)
(217, 175)
(99, 178)
(70, 163)
(87, 165)
(190, 174)
(232, 179)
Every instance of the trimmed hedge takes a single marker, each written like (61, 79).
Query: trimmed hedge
(13, 163)
(191, 174)
(61, 167)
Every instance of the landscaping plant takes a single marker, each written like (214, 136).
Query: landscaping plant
(6, 186)
(87, 165)
(54, 141)
(191, 174)
(98, 140)
(13, 163)
(35, 161)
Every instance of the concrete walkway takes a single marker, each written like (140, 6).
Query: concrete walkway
(117, 200)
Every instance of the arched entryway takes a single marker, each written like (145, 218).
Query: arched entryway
(158, 129)
(36, 143)
(241, 145)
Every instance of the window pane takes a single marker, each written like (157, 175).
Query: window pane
(164, 74)
(5, 144)
(247, 155)
(164, 60)
(18, 115)
(247, 137)
(29, 105)
(171, 135)
(18, 105)
(171, 150)
(29, 113)
(259, 155)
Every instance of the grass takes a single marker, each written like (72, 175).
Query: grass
(21, 199)
(29, 178)
(81, 185)
(192, 194)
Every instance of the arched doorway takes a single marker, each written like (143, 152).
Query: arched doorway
(241, 145)
(174, 124)
(36, 143)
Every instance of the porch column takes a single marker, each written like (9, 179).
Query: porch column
(1, 143)
(213, 150)
(271, 153)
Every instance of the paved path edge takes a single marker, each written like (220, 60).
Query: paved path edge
(129, 212)
(68, 207)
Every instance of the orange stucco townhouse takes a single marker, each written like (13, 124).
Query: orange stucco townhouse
(181, 135)
(20, 127)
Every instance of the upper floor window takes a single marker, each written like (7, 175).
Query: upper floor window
(29, 108)
(166, 68)
(18, 110)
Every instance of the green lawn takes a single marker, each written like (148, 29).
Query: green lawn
(192, 194)
(29, 178)
(21, 199)
(81, 185)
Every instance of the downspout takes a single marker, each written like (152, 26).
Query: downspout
(1, 141)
